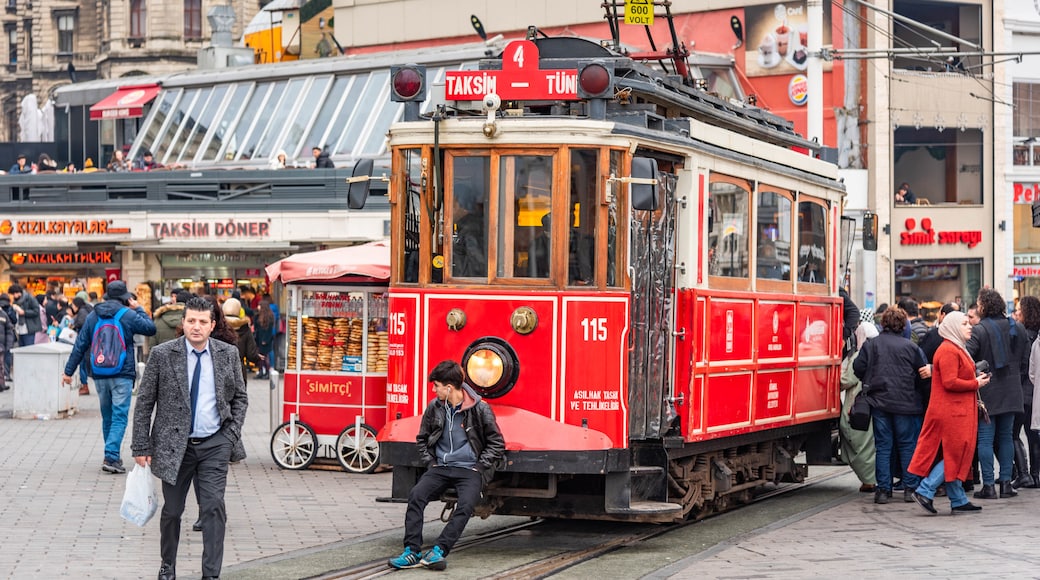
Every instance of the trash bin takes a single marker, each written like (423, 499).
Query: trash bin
(38, 390)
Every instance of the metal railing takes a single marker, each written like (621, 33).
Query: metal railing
(214, 190)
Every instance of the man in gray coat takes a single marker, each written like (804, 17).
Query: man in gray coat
(196, 390)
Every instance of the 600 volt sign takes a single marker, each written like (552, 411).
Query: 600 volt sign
(639, 12)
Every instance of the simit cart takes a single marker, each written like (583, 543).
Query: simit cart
(333, 397)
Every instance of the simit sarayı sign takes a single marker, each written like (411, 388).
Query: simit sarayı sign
(927, 236)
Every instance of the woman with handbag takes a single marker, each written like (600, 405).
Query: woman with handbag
(857, 447)
(889, 365)
(1002, 343)
(951, 422)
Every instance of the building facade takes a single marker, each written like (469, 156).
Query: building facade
(51, 43)
(1022, 23)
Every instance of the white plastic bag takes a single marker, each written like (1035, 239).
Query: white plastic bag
(67, 335)
(140, 499)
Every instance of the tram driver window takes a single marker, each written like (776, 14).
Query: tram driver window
(525, 197)
(581, 266)
(728, 219)
(469, 220)
(812, 243)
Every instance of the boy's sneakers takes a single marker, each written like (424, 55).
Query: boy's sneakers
(113, 467)
(434, 559)
(407, 559)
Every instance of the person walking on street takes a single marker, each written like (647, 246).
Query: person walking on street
(80, 311)
(195, 388)
(1002, 343)
(8, 339)
(889, 365)
(461, 444)
(950, 424)
(106, 345)
(168, 318)
(247, 348)
(857, 447)
(265, 331)
(28, 310)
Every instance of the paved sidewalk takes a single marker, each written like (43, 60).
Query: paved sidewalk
(60, 514)
(853, 537)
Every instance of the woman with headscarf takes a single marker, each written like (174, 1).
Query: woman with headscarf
(857, 447)
(951, 422)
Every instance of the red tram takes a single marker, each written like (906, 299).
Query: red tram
(640, 278)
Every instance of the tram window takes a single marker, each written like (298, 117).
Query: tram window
(412, 163)
(812, 242)
(581, 266)
(728, 216)
(774, 236)
(469, 219)
(524, 197)
(612, 222)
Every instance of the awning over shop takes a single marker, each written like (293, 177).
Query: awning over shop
(371, 260)
(125, 103)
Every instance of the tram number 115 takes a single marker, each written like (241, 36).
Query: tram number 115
(595, 329)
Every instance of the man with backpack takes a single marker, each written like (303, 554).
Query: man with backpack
(107, 342)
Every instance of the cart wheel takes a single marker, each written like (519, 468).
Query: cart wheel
(294, 448)
(358, 452)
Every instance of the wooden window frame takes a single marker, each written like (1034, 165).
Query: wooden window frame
(727, 282)
(769, 284)
(819, 288)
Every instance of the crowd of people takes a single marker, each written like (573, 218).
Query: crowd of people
(145, 161)
(948, 402)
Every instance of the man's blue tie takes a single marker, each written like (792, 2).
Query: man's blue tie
(195, 385)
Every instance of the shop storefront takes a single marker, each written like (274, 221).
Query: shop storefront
(940, 253)
(1026, 268)
(69, 271)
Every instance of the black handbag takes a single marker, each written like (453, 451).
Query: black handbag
(859, 413)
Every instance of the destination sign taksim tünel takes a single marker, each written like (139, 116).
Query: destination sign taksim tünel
(519, 80)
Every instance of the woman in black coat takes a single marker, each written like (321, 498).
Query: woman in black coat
(1028, 465)
(889, 367)
(1004, 345)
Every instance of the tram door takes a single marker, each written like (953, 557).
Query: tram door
(653, 278)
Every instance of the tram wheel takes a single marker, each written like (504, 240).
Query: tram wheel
(358, 450)
(294, 445)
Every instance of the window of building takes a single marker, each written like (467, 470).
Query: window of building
(940, 166)
(12, 43)
(66, 29)
(137, 19)
(812, 242)
(728, 226)
(1026, 98)
(192, 19)
(960, 20)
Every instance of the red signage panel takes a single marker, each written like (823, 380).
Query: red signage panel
(775, 330)
(520, 79)
(404, 381)
(594, 381)
(730, 324)
(773, 396)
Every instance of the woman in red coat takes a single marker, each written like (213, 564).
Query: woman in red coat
(951, 422)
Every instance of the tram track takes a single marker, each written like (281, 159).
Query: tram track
(557, 562)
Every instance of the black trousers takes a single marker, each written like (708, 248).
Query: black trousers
(431, 485)
(207, 464)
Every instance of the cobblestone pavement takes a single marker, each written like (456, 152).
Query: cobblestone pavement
(60, 520)
(60, 514)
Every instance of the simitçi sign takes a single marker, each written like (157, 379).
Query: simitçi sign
(927, 235)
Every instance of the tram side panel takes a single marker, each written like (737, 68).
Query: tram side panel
(751, 364)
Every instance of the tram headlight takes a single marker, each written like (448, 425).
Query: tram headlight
(491, 367)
